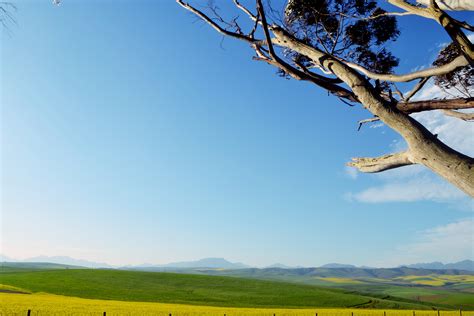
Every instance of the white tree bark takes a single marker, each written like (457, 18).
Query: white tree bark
(456, 63)
(451, 5)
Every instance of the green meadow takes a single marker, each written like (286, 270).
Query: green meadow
(196, 290)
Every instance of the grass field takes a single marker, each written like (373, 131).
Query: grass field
(449, 291)
(118, 292)
(195, 290)
(177, 288)
(50, 305)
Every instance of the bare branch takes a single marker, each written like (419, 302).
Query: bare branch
(266, 31)
(458, 62)
(415, 89)
(462, 116)
(369, 120)
(428, 105)
(310, 73)
(411, 8)
(326, 83)
(382, 163)
(247, 11)
(218, 28)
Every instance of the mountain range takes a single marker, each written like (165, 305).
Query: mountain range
(59, 260)
(461, 265)
(211, 263)
(221, 263)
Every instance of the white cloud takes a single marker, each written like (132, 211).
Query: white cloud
(456, 133)
(430, 91)
(450, 243)
(418, 68)
(377, 125)
(416, 189)
(351, 172)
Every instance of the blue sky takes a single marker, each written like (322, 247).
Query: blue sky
(132, 133)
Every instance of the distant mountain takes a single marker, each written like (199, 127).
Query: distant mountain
(278, 265)
(337, 266)
(211, 263)
(9, 265)
(221, 263)
(68, 261)
(467, 265)
(6, 259)
(310, 273)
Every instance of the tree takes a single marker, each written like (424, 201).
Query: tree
(339, 46)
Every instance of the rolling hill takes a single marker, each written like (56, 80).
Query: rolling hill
(196, 289)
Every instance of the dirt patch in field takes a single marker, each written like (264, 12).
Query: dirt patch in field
(431, 298)
(12, 291)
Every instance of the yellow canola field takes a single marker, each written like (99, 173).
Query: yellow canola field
(49, 305)
(437, 280)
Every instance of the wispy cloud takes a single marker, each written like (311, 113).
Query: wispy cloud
(416, 189)
(457, 133)
(451, 242)
(351, 172)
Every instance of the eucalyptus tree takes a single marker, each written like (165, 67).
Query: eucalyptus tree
(340, 46)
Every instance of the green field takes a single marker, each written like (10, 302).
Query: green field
(421, 286)
(194, 289)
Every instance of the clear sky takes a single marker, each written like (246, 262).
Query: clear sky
(132, 133)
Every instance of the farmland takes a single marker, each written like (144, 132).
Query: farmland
(190, 289)
(448, 288)
(77, 291)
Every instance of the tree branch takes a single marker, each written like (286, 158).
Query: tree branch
(369, 120)
(424, 147)
(382, 163)
(428, 105)
(218, 28)
(411, 8)
(454, 31)
(415, 89)
(451, 5)
(247, 11)
(456, 63)
(450, 25)
(326, 83)
(462, 116)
